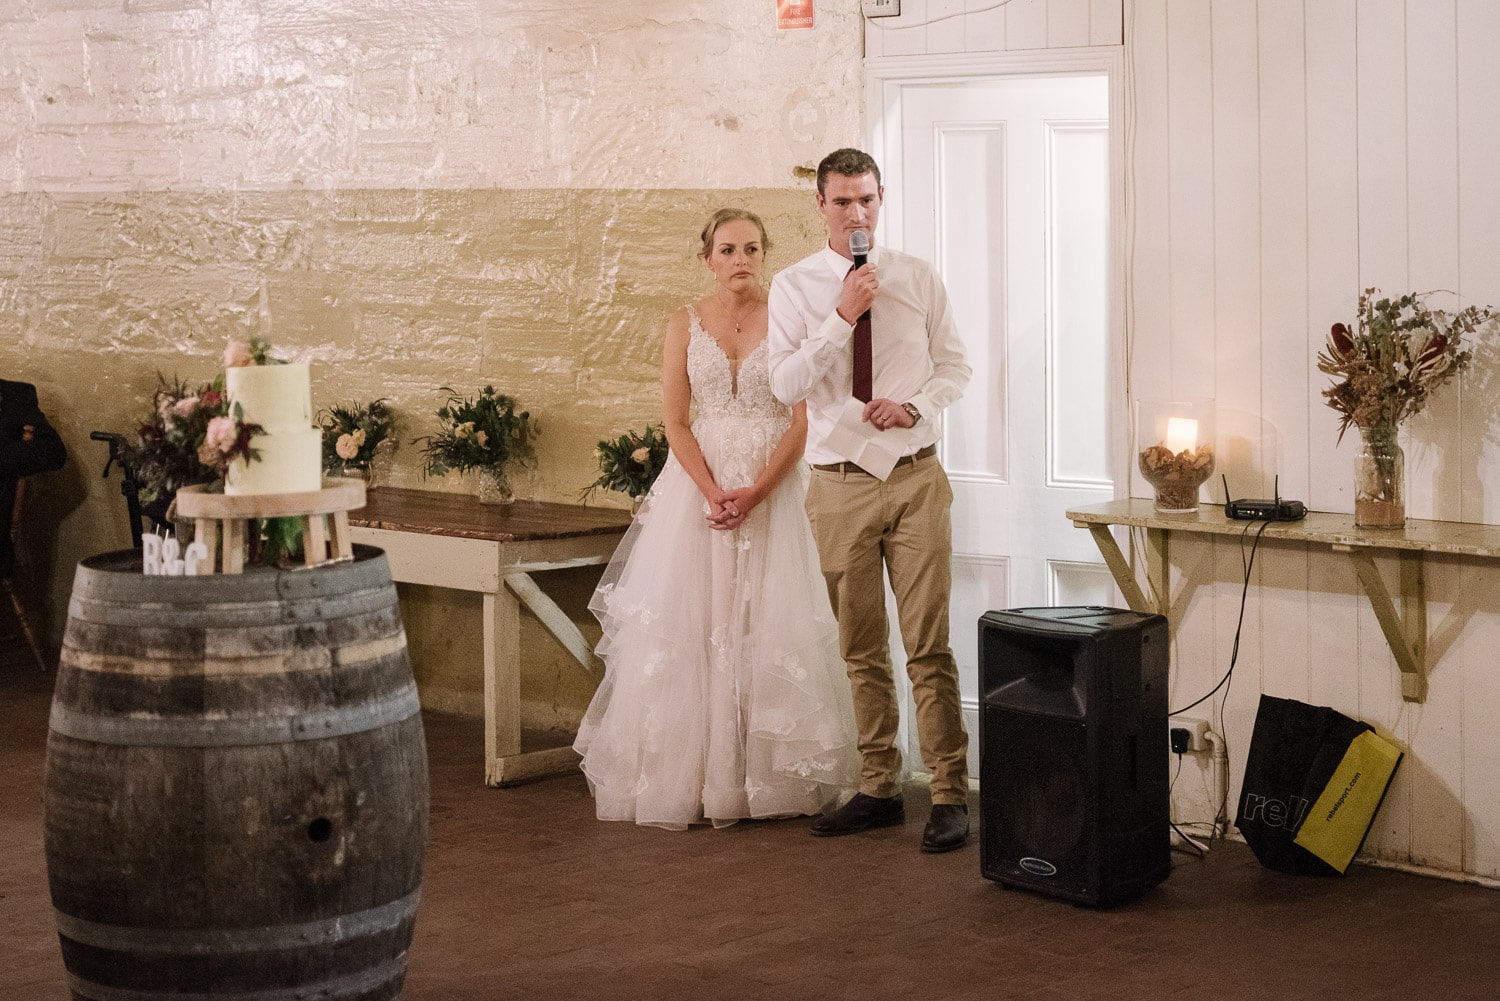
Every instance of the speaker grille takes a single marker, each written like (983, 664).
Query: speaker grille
(1036, 770)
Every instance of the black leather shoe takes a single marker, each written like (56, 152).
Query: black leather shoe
(860, 814)
(947, 828)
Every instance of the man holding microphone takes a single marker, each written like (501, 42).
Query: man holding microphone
(879, 331)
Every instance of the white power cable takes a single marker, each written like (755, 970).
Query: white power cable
(934, 20)
(1219, 762)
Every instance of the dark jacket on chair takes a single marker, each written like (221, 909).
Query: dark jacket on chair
(28, 444)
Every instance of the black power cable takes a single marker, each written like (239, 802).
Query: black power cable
(1244, 592)
(1224, 682)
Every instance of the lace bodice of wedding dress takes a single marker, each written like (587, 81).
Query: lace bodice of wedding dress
(735, 407)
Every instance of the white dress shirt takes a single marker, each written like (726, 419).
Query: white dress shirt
(916, 356)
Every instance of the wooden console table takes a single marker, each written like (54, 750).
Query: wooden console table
(1405, 631)
(451, 540)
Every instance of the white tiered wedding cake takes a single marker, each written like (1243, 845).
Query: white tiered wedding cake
(279, 399)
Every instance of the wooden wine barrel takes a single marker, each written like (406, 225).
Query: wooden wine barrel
(236, 784)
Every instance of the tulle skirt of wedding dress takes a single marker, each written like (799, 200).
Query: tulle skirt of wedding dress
(724, 696)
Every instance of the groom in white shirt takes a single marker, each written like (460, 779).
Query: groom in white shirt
(910, 368)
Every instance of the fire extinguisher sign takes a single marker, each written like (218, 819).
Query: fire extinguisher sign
(794, 14)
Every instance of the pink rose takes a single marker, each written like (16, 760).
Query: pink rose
(222, 434)
(237, 355)
(346, 447)
(208, 455)
(185, 406)
(482, 438)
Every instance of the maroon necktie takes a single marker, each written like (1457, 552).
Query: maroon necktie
(862, 376)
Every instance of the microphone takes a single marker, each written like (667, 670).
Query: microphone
(859, 246)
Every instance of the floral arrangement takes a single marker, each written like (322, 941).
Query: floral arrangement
(484, 432)
(189, 437)
(1387, 369)
(255, 351)
(631, 462)
(352, 434)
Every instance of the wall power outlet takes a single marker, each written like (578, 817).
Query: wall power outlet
(881, 8)
(1197, 731)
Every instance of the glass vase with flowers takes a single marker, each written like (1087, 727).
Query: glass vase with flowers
(1385, 370)
(353, 436)
(484, 433)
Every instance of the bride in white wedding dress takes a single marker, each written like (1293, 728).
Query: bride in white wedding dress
(724, 696)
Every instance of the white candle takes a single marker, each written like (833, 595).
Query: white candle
(195, 560)
(151, 555)
(1182, 434)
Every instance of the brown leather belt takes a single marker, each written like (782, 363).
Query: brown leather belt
(849, 467)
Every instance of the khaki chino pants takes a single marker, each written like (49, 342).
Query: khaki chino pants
(903, 525)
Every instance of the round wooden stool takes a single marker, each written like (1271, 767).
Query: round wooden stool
(325, 514)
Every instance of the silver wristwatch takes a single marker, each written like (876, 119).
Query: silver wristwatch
(916, 415)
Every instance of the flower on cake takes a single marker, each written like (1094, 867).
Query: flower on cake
(237, 354)
(352, 434)
(222, 433)
(255, 351)
(631, 462)
(484, 432)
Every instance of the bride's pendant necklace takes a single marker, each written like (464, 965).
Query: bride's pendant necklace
(754, 305)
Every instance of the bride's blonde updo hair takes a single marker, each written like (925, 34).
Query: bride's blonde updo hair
(722, 216)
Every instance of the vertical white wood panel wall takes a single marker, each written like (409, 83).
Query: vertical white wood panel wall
(1282, 155)
(1301, 151)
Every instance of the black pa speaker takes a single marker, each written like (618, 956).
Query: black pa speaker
(1073, 779)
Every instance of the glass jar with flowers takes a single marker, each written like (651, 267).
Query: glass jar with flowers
(1385, 370)
(630, 463)
(484, 433)
(352, 436)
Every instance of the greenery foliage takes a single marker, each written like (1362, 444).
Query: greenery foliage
(351, 434)
(189, 437)
(483, 432)
(631, 462)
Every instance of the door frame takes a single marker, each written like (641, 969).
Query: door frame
(886, 78)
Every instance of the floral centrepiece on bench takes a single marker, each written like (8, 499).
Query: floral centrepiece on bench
(353, 436)
(486, 434)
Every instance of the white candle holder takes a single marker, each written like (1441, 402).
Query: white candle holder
(1175, 450)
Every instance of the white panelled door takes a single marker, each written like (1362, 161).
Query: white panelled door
(1003, 184)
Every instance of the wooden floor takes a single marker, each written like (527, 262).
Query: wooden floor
(526, 895)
